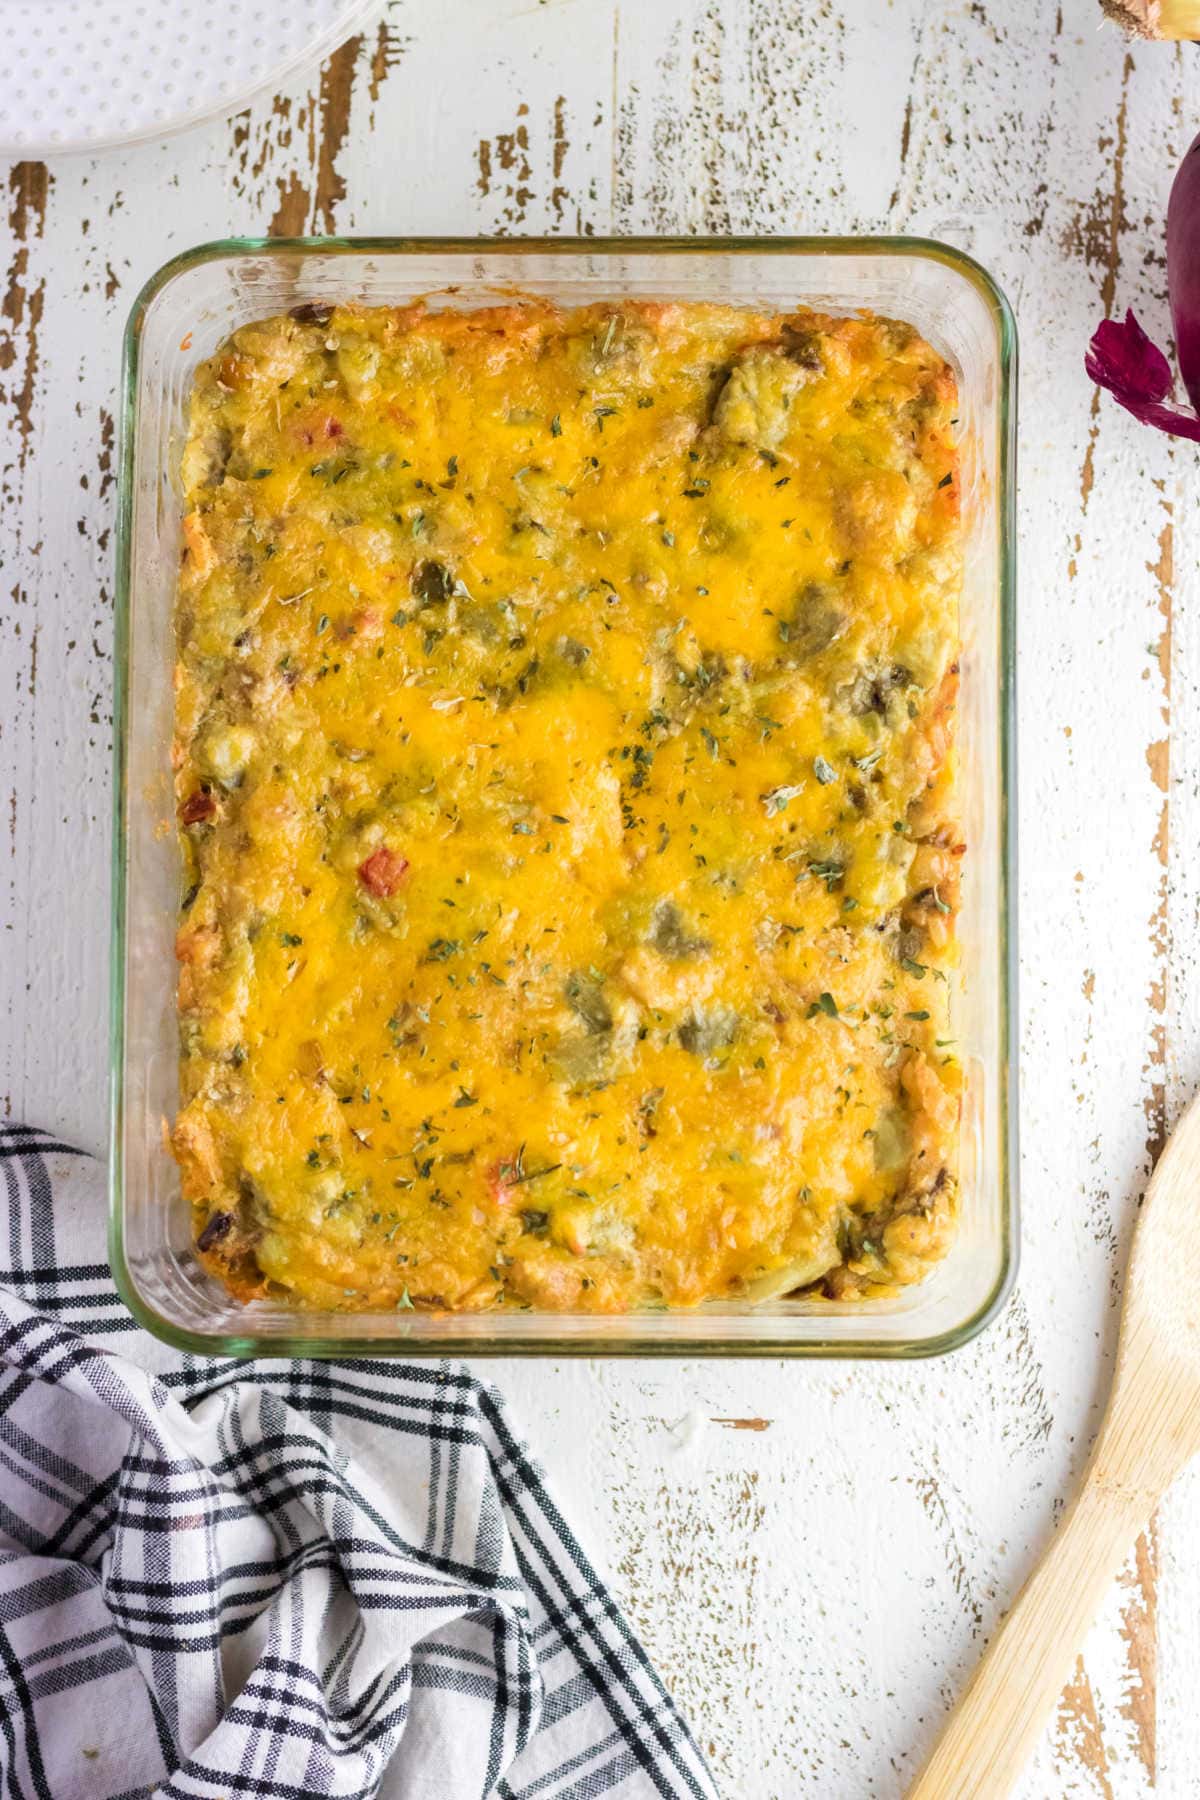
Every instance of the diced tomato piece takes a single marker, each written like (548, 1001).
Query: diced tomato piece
(315, 423)
(198, 806)
(501, 1178)
(366, 624)
(383, 871)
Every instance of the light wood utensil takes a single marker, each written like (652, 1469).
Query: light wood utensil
(1150, 1430)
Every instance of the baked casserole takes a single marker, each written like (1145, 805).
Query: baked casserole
(566, 785)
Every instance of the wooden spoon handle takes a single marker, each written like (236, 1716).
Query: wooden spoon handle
(994, 1729)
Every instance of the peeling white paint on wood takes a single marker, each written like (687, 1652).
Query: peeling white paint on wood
(815, 1590)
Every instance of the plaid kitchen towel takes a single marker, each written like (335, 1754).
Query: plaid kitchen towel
(282, 1579)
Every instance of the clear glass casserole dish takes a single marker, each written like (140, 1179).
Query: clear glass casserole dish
(182, 314)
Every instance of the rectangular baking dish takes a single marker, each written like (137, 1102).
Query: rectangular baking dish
(182, 314)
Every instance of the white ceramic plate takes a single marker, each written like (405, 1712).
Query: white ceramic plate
(89, 74)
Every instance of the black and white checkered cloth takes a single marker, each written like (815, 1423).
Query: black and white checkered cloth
(282, 1579)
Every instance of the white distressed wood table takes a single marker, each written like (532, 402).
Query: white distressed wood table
(815, 1555)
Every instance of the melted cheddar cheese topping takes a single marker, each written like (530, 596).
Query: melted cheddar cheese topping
(565, 772)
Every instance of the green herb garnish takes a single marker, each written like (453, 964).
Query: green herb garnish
(776, 801)
(829, 872)
(442, 949)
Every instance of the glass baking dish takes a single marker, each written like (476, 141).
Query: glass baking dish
(182, 314)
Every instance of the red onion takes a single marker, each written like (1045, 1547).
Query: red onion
(1183, 268)
(1122, 359)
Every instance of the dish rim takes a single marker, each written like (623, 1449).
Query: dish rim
(549, 1344)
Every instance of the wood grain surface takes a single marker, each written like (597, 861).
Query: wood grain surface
(1149, 1435)
(814, 1555)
